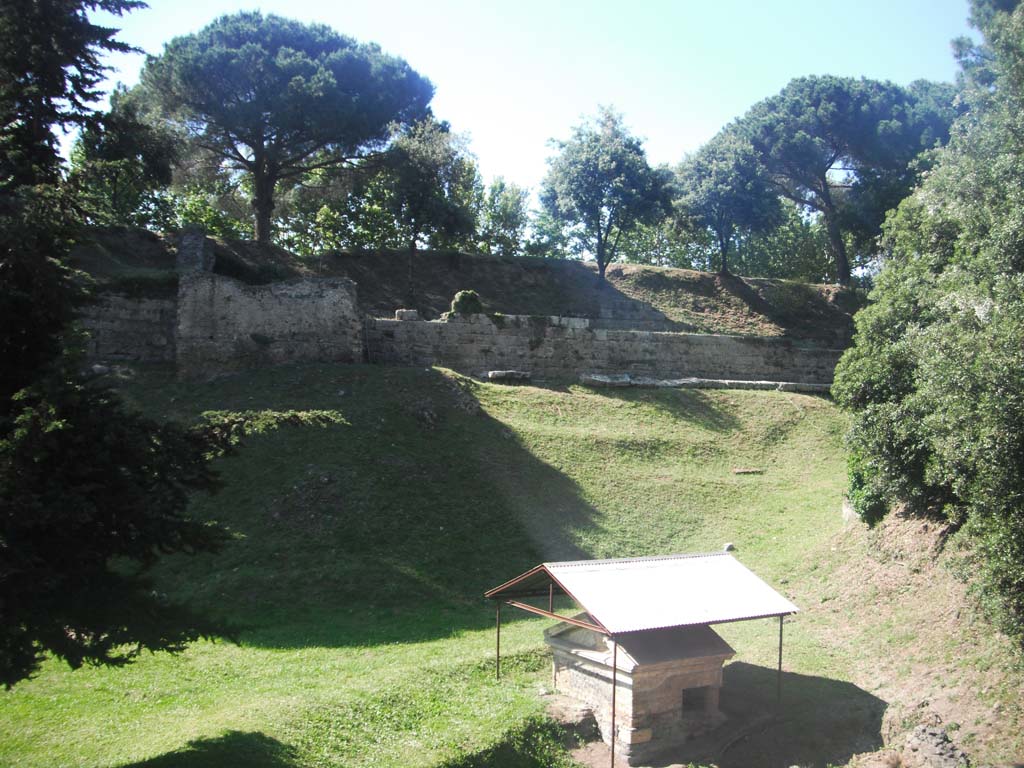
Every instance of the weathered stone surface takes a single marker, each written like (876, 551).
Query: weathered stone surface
(929, 746)
(666, 684)
(225, 325)
(516, 377)
(130, 329)
(195, 251)
(615, 380)
(218, 324)
(566, 348)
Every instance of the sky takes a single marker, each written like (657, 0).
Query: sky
(515, 74)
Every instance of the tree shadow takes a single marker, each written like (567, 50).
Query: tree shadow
(252, 750)
(819, 722)
(536, 743)
(693, 406)
(512, 285)
(799, 309)
(386, 526)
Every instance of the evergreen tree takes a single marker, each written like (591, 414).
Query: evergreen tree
(275, 99)
(82, 483)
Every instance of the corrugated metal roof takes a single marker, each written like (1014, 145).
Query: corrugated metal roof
(633, 594)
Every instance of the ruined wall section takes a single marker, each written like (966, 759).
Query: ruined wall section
(123, 328)
(565, 348)
(225, 325)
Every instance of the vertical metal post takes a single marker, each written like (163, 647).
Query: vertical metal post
(497, 644)
(551, 609)
(615, 667)
(778, 682)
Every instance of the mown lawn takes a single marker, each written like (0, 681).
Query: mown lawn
(362, 543)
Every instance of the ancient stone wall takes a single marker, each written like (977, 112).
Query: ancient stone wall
(226, 325)
(565, 348)
(126, 328)
(218, 324)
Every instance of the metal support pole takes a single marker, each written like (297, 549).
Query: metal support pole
(497, 644)
(778, 683)
(615, 667)
(551, 609)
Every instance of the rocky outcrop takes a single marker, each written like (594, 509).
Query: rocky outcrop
(929, 746)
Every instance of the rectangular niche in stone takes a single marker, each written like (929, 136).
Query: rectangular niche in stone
(667, 683)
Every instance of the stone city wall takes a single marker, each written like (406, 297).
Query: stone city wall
(566, 347)
(225, 325)
(218, 324)
(126, 328)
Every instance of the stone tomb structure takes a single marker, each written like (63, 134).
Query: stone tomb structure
(668, 682)
(642, 655)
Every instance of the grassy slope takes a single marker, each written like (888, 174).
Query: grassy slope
(361, 550)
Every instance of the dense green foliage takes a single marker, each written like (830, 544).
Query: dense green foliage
(275, 99)
(37, 298)
(504, 218)
(599, 187)
(725, 190)
(829, 142)
(936, 377)
(120, 164)
(89, 494)
(329, 143)
(796, 248)
(423, 190)
(330, 148)
(84, 483)
(50, 71)
(430, 186)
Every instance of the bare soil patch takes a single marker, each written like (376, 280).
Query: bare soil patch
(917, 641)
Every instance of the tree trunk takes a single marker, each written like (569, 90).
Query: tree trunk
(410, 288)
(835, 239)
(723, 249)
(263, 199)
(601, 264)
(264, 212)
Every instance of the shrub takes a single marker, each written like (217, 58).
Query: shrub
(467, 303)
(936, 377)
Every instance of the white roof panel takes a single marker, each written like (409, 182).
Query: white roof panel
(632, 594)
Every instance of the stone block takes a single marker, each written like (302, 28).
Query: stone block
(194, 251)
(225, 325)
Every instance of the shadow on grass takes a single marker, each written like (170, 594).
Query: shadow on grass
(693, 406)
(798, 308)
(537, 743)
(234, 748)
(384, 527)
(820, 721)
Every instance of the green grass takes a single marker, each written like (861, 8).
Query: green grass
(364, 538)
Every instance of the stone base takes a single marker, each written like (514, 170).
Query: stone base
(667, 684)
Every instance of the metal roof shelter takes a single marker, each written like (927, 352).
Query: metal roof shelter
(642, 593)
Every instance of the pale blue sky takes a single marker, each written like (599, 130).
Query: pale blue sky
(513, 75)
